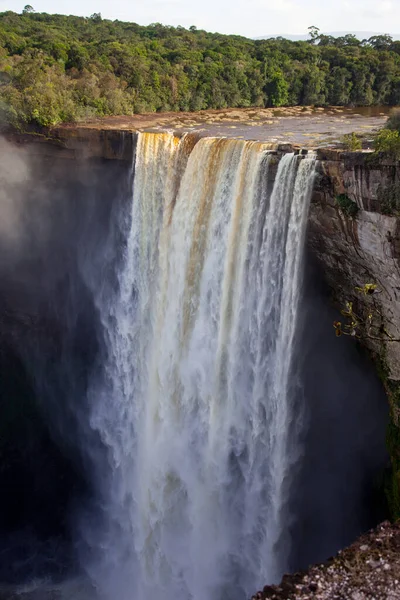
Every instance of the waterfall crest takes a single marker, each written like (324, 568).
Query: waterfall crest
(195, 408)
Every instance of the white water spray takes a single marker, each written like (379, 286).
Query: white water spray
(196, 411)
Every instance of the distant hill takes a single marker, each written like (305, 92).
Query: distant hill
(361, 35)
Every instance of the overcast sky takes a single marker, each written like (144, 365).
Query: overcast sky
(246, 17)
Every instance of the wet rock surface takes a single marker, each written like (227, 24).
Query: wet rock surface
(369, 569)
(302, 125)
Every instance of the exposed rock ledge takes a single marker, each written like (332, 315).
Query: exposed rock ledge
(81, 143)
(368, 570)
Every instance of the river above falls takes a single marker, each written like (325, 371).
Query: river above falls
(306, 126)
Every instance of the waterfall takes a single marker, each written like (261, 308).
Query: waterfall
(195, 408)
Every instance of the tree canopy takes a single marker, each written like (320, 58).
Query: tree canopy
(56, 68)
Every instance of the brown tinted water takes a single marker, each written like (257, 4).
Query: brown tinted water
(305, 126)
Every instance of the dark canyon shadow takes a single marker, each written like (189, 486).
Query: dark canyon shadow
(58, 245)
(339, 488)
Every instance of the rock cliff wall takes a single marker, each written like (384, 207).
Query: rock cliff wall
(354, 232)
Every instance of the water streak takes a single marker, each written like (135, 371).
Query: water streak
(195, 409)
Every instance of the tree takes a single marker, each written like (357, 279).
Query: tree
(393, 121)
(158, 68)
(347, 40)
(380, 42)
(388, 142)
(327, 40)
(351, 142)
(28, 9)
(313, 86)
(314, 34)
(339, 86)
(276, 88)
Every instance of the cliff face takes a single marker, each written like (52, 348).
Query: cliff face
(76, 143)
(354, 232)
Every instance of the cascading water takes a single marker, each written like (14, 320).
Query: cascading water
(196, 409)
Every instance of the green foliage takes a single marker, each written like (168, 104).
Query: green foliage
(314, 34)
(351, 142)
(393, 121)
(388, 142)
(347, 205)
(389, 199)
(276, 88)
(92, 66)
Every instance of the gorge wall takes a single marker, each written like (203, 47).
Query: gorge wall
(63, 238)
(354, 232)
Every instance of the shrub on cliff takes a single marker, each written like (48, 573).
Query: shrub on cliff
(389, 198)
(347, 205)
(351, 142)
(388, 142)
(393, 121)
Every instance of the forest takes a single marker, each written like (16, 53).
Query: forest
(56, 68)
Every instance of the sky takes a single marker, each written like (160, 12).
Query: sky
(251, 18)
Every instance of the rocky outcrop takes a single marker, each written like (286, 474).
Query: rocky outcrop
(85, 142)
(354, 231)
(369, 568)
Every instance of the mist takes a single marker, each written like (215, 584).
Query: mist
(54, 236)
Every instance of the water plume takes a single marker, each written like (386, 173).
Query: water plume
(195, 406)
